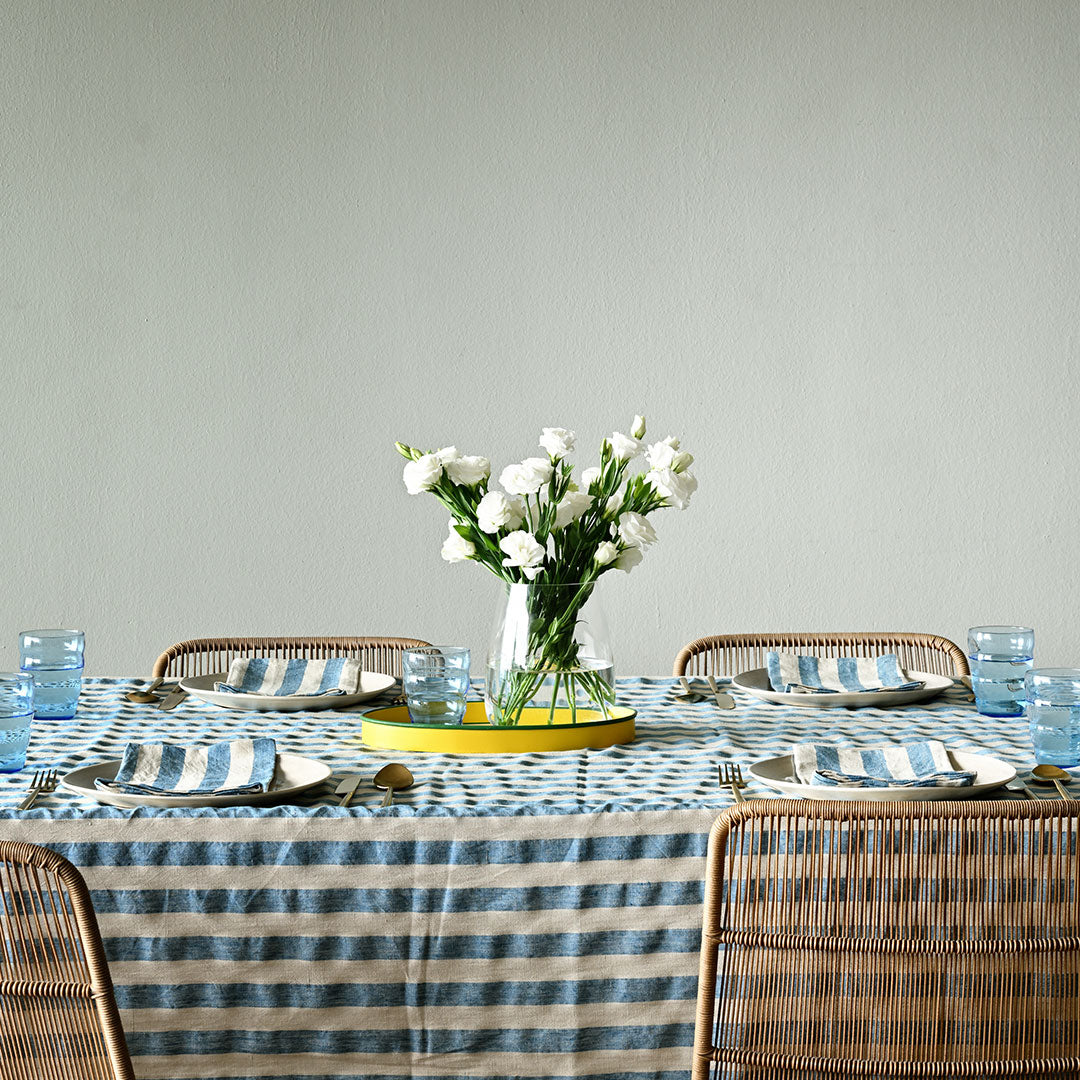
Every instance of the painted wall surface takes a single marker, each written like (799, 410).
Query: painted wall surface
(831, 244)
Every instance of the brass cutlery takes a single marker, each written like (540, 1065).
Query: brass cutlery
(174, 699)
(724, 700)
(393, 777)
(731, 776)
(1051, 774)
(43, 782)
(147, 696)
(688, 695)
(692, 694)
(347, 788)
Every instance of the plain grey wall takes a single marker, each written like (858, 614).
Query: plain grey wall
(832, 244)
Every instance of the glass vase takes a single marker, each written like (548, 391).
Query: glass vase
(550, 650)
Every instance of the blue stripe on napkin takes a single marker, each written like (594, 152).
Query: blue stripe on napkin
(166, 769)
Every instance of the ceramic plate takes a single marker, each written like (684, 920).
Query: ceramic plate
(202, 686)
(293, 775)
(778, 773)
(756, 682)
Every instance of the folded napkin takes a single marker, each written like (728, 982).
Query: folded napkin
(924, 764)
(279, 678)
(225, 768)
(791, 674)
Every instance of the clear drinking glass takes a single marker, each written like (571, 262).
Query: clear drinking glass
(16, 713)
(1053, 709)
(55, 659)
(1000, 658)
(436, 680)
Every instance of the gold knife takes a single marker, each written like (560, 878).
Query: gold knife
(725, 701)
(347, 788)
(173, 699)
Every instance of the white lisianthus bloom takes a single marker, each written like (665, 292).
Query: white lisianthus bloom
(623, 448)
(422, 474)
(606, 552)
(637, 428)
(557, 441)
(628, 559)
(456, 548)
(447, 454)
(573, 505)
(522, 549)
(674, 487)
(682, 461)
(497, 511)
(635, 530)
(660, 455)
(468, 471)
(527, 477)
(589, 477)
(611, 507)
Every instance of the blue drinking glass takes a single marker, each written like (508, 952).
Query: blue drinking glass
(55, 659)
(1053, 709)
(1000, 658)
(436, 681)
(16, 714)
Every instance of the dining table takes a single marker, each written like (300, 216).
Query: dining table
(532, 915)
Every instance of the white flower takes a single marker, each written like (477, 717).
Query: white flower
(589, 477)
(573, 505)
(623, 448)
(637, 428)
(496, 511)
(456, 548)
(628, 559)
(606, 552)
(447, 454)
(635, 530)
(660, 455)
(422, 474)
(468, 471)
(557, 441)
(611, 507)
(674, 487)
(526, 478)
(682, 461)
(522, 549)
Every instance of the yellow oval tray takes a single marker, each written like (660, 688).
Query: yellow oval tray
(391, 729)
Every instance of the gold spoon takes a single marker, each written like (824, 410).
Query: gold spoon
(147, 696)
(393, 777)
(1051, 774)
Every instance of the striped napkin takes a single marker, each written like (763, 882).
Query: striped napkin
(922, 764)
(272, 677)
(790, 674)
(239, 767)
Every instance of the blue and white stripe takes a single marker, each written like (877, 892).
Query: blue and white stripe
(272, 677)
(791, 674)
(526, 916)
(921, 764)
(237, 767)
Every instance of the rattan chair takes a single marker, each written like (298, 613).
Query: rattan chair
(207, 656)
(729, 654)
(891, 940)
(58, 1016)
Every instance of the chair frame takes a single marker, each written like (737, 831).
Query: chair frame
(208, 656)
(730, 654)
(26, 869)
(758, 908)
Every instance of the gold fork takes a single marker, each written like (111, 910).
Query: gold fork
(731, 775)
(43, 782)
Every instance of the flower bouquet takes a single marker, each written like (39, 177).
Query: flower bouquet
(549, 539)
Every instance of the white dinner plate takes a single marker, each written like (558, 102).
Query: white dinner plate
(293, 775)
(779, 773)
(756, 682)
(372, 684)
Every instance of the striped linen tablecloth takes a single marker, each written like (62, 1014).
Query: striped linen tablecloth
(523, 916)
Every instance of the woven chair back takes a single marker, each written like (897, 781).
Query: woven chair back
(730, 654)
(58, 1017)
(207, 656)
(891, 940)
